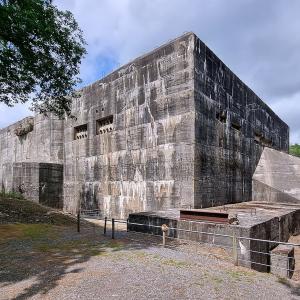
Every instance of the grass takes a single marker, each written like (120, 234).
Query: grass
(46, 238)
(11, 194)
(36, 231)
(115, 245)
(241, 275)
(175, 263)
(146, 257)
(14, 209)
(23, 231)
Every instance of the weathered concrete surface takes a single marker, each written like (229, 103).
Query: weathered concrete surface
(277, 178)
(283, 261)
(146, 161)
(39, 182)
(232, 127)
(173, 128)
(31, 157)
(257, 220)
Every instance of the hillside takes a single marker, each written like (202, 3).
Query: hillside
(15, 209)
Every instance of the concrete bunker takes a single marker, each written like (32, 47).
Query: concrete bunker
(171, 129)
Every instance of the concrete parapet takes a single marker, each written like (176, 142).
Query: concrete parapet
(283, 261)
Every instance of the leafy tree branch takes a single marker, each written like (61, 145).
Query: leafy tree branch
(41, 49)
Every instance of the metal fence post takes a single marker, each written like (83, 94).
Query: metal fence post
(78, 221)
(234, 249)
(105, 222)
(112, 228)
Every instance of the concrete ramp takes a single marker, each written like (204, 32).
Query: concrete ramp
(277, 178)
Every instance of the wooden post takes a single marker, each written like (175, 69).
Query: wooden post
(164, 238)
(112, 228)
(164, 229)
(127, 223)
(78, 221)
(105, 222)
(234, 250)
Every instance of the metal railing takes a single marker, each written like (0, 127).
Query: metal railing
(262, 260)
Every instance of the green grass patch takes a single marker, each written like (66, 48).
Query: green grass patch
(238, 275)
(115, 245)
(27, 231)
(175, 263)
(11, 194)
(217, 280)
(14, 209)
(36, 231)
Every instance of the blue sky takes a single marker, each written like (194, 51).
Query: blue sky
(258, 40)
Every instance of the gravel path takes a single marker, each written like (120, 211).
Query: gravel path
(89, 266)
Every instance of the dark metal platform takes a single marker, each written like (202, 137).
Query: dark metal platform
(204, 215)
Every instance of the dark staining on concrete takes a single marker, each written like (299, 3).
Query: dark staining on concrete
(31, 163)
(227, 117)
(185, 132)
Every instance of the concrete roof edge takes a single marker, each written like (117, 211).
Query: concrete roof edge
(139, 58)
(15, 123)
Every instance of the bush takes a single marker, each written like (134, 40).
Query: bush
(295, 150)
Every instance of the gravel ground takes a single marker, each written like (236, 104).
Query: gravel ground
(62, 264)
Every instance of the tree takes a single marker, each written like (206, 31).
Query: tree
(295, 150)
(41, 49)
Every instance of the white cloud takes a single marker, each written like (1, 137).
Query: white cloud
(288, 110)
(258, 40)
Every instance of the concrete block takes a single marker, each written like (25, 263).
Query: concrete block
(283, 261)
(268, 184)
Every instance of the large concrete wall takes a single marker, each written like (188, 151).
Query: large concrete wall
(277, 178)
(173, 128)
(39, 182)
(146, 161)
(233, 125)
(23, 147)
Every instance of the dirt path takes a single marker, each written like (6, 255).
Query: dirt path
(51, 262)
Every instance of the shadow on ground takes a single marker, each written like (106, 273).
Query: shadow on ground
(44, 254)
(292, 285)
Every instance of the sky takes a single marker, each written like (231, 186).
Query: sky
(258, 40)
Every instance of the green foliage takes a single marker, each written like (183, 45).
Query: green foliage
(41, 49)
(11, 194)
(295, 150)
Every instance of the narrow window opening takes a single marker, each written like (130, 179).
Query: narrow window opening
(80, 132)
(104, 125)
(236, 126)
(267, 142)
(257, 137)
(222, 116)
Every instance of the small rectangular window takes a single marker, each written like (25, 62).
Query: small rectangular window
(267, 142)
(222, 116)
(236, 126)
(104, 125)
(257, 137)
(80, 132)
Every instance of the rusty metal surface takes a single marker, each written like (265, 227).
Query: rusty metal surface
(204, 215)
